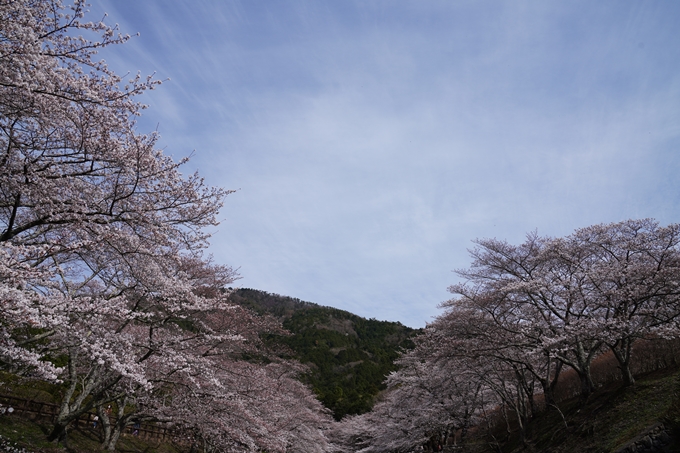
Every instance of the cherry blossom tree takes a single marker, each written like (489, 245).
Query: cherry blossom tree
(633, 269)
(491, 326)
(568, 297)
(103, 283)
(431, 397)
(521, 314)
(89, 209)
(499, 355)
(255, 408)
(544, 293)
(112, 353)
(200, 384)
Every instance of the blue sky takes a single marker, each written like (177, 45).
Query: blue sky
(370, 142)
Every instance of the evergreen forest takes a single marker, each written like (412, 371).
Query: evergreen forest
(348, 356)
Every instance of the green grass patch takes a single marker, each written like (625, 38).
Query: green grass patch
(31, 389)
(611, 418)
(32, 436)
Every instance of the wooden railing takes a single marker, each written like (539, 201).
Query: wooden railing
(35, 410)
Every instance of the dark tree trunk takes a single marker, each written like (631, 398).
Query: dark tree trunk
(549, 389)
(58, 433)
(585, 352)
(587, 385)
(622, 351)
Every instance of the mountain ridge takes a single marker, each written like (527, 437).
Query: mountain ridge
(348, 356)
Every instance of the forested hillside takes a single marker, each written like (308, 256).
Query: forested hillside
(349, 356)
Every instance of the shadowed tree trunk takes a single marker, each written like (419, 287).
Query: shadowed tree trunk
(622, 351)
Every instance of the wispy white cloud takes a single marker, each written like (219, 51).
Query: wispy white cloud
(372, 141)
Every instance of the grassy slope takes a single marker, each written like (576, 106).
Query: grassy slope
(610, 419)
(31, 435)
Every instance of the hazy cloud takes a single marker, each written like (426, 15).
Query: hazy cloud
(372, 141)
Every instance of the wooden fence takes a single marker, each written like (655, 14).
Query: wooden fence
(38, 410)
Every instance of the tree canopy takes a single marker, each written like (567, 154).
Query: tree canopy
(520, 317)
(104, 283)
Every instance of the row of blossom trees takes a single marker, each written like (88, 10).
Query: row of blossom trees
(522, 315)
(104, 286)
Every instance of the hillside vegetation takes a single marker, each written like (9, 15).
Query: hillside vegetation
(614, 419)
(349, 356)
